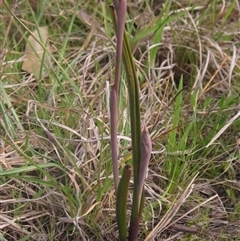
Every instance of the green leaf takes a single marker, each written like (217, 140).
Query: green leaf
(121, 204)
(28, 168)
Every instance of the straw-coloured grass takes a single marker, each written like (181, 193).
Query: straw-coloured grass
(55, 161)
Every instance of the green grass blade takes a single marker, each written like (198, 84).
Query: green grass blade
(28, 168)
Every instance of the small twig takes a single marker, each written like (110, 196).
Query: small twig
(183, 228)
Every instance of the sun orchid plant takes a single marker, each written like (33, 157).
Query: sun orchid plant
(141, 142)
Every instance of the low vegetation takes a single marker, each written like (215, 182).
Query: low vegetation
(56, 180)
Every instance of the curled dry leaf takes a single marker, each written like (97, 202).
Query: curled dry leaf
(36, 58)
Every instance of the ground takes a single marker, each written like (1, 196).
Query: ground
(55, 162)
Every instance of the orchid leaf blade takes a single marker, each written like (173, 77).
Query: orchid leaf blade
(121, 204)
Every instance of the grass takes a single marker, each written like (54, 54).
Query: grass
(55, 168)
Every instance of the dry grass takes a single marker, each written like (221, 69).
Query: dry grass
(55, 162)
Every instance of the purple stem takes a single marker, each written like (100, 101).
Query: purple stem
(121, 7)
(121, 16)
(146, 149)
